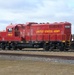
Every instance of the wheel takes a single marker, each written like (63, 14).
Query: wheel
(46, 47)
(20, 48)
(14, 48)
(3, 47)
(9, 48)
(61, 48)
(66, 49)
(51, 49)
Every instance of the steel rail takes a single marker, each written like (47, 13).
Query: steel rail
(37, 55)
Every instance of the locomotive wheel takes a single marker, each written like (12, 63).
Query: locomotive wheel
(9, 48)
(14, 48)
(3, 47)
(61, 48)
(46, 47)
(20, 48)
(66, 49)
(13, 45)
(51, 49)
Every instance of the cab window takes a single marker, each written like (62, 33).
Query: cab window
(67, 26)
(10, 30)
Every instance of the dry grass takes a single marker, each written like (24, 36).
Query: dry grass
(8, 67)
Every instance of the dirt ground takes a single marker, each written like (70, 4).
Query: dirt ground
(9, 67)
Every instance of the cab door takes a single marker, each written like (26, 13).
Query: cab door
(17, 32)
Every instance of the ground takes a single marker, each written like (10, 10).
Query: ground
(26, 67)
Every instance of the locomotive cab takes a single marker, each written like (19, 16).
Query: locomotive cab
(15, 30)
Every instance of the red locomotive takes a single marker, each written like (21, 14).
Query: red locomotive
(37, 35)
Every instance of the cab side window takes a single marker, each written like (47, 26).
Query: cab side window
(10, 30)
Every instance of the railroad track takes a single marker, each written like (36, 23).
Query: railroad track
(37, 55)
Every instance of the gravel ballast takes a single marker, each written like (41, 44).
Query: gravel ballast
(12, 57)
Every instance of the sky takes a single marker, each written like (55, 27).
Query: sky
(22, 11)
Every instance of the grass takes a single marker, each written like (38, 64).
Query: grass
(9, 67)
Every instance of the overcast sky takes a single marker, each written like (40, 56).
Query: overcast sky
(22, 11)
